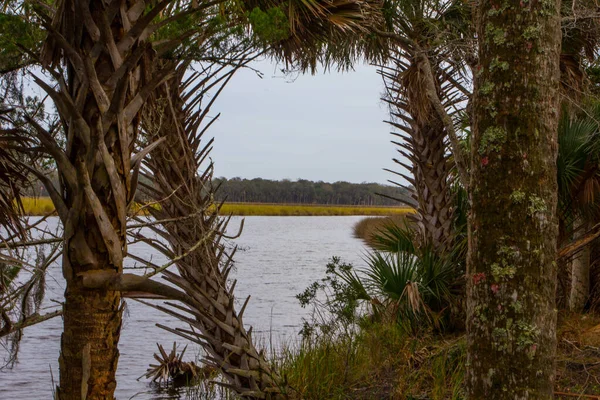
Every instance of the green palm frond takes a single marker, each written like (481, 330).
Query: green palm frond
(572, 139)
(393, 238)
(578, 164)
(389, 274)
(438, 277)
(321, 31)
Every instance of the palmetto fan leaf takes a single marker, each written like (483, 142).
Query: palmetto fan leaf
(393, 238)
(578, 164)
(415, 285)
(389, 274)
(574, 134)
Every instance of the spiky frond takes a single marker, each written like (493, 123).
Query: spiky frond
(12, 176)
(178, 176)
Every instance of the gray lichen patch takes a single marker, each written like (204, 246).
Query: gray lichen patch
(492, 140)
(536, 205)
(517, 197)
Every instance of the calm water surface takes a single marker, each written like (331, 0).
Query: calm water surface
(278, 257)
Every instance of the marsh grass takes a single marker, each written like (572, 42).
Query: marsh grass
(44, 206)
(366, 228)
(382, 361)
(308, 209)
(37, 206)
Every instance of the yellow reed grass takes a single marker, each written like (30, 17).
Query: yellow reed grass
(44, 206)
(37, 205)
(308, 210)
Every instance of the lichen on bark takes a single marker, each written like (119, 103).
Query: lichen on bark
(511, 317)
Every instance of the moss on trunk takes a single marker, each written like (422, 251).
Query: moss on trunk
(513, 230)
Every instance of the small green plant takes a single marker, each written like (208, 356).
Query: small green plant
(336, 301)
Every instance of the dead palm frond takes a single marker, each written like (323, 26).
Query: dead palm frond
(172, 369)
(579, 50)
(12, 176)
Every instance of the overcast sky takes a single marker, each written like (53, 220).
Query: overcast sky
(324, 127)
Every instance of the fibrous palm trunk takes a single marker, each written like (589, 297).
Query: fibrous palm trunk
(424, 145)
(194, 232)
(108, 76)
(431, 172)
(513, 230)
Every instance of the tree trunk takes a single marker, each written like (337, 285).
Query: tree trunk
(511, 316)
(431, 173)
(424, 144)
(580, 272)
(192, 227)
(108, 76)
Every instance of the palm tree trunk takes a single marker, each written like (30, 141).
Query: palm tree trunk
(513, 230)
(193, 227)
(424, 145)
(108, 76)
(431, 172)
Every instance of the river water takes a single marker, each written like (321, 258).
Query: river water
(278, 257)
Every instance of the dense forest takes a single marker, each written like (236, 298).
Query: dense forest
(302, 191)
(308, 192)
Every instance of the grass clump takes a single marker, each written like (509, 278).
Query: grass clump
(383, 361)
(367, 228)
(380, 361)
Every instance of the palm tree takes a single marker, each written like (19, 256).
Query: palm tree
(422, 81)
(179, 178)
(102, 57)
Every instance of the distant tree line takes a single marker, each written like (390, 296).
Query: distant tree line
(304, 191)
